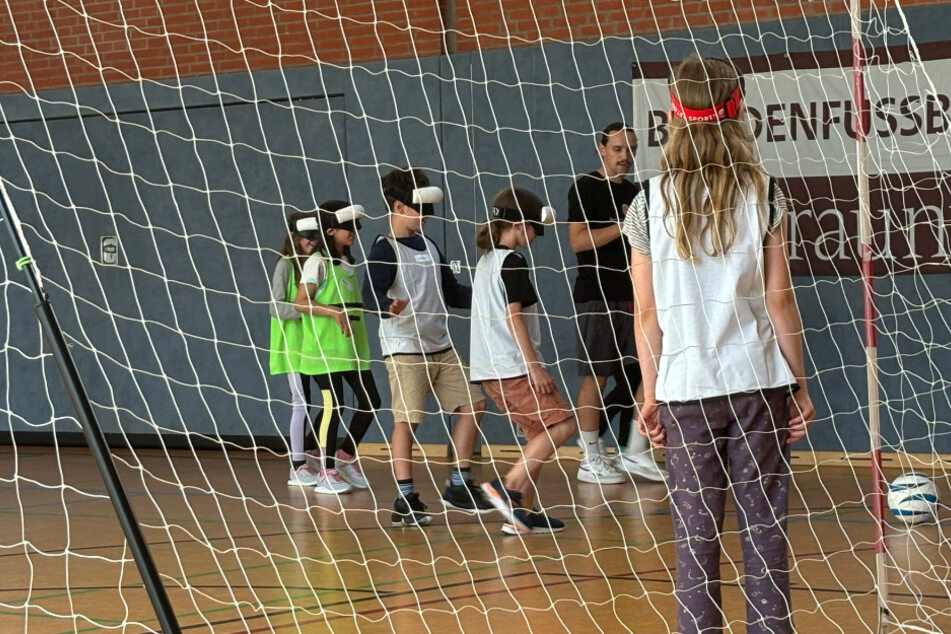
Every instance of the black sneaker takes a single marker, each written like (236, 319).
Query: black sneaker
(508, 503)
(466, 497)
(541, 523)
(409, 511)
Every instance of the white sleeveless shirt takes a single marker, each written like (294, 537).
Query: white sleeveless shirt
(717, 336)
(493, 353)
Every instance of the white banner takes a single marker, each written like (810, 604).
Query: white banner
(804, 120)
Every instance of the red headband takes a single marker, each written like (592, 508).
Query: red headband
(729, 109)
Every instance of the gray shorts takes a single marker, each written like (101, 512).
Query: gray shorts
(605, 337)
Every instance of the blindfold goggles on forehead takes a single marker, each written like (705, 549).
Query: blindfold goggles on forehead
(421, 199)
(546, 217)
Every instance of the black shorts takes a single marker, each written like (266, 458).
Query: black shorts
(606, 337)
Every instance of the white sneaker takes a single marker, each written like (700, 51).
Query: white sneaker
(329, 481)
(352, 473)
(596, 470)
(641, 465)
(303, 476)
(611, 458)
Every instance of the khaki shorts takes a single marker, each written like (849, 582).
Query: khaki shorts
(529, 410)
(415, 376)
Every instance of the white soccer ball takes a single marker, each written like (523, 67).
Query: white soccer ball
(913, 498)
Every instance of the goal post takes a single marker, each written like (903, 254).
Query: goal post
(73, 384)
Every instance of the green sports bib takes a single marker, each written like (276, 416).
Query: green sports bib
(286, 335)
(324, 349)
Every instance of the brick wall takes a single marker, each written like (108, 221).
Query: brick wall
(47, 44)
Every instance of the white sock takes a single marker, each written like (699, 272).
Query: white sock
(589, 444)
(637, 445)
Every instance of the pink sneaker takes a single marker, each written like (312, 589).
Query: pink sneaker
(329, 481)
(351, 471)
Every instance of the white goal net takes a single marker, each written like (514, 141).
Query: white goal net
(153, 152)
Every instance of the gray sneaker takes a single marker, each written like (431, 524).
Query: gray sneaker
(303, 476)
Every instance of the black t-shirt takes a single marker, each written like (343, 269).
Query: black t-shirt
(603, 273)
(517, 281)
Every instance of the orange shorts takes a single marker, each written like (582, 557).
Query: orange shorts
(529, 410)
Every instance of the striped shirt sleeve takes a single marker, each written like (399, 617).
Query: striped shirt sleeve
(779, 208)
(635, 225)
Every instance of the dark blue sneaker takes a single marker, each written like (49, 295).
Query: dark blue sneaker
(541, 523)
(507, 502)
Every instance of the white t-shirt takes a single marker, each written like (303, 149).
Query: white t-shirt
(314, 271)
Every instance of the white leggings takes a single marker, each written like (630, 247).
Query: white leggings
(298, 415)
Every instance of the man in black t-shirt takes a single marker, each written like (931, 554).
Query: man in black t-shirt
(603, 296)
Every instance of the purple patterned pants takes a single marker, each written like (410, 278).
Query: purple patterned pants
(739, 443)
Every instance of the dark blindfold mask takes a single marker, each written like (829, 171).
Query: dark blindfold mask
(422, 199)
(546, 217)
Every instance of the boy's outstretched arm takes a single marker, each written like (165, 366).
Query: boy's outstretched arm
(381, 273)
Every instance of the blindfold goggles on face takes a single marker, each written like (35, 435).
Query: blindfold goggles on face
(347, 218)
(546, 217)
(421, 199)
(308, 228)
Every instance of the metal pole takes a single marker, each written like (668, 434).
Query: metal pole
(87, 419)
(866, 242)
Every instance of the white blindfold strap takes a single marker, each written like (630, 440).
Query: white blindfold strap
(427, 195)
(307, 224)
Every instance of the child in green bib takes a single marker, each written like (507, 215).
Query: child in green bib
(334, 348)
(287, 333)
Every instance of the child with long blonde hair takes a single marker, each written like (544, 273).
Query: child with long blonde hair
(719, 340)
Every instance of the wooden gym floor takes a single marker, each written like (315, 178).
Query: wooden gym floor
(240, 551)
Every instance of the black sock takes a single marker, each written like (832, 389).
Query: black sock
(297, 464)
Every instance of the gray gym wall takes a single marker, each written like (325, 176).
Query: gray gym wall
(196, 179)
